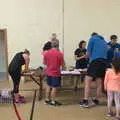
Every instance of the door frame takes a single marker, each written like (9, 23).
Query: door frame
(4, 32)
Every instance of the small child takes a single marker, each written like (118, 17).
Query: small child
(112, 85)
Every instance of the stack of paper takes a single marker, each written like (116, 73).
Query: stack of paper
(70, 72)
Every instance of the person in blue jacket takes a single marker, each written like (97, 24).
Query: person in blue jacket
(97, 53)
(112, 47)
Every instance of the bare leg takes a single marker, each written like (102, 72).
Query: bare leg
(82, 78)
(16, 95)
(47, 92)
(16, 91)
(110, 95)
(53, 97)
(44, 82)
(53, 93)
(117, 103)
(88, 80)
(99, 88)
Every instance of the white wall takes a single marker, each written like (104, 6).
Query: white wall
(31, 22)
(82, 17)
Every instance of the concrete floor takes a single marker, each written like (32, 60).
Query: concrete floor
(69, 111)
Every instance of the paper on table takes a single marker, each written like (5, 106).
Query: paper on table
(65, 72)
(81, 70)
(70, 72)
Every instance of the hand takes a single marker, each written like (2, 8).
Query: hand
(25, 71)
(82, 57)
(64, 68)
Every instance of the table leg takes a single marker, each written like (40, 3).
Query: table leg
(40, 88)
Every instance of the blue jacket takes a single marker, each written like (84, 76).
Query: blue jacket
(111, 50)
(97, 47)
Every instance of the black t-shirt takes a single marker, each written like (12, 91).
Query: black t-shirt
(82, 63)
(17, 62)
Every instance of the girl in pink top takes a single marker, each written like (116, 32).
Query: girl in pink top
(112, 85)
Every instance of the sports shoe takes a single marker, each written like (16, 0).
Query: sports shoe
(117, 118)
(84, 103)
(19, 102)
(21, 97)
(47, 102)
(111, 114)
(96, 102)
(55, 103)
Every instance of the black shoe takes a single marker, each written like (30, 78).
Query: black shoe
(84, 103)
(96, 102)
(47, 102)
(55, 103)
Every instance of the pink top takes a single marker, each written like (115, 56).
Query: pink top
(54, 60)
(112, 81)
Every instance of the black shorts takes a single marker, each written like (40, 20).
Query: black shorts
(97, 68)
(54, 81)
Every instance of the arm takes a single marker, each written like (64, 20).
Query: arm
(44, 60)
(77, 55)
(78, 58)
(84, 56)
(27, 61)
(106, 80)
(89, 47)
(64, 66)
(62, 62)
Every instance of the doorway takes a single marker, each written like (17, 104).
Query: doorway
(3, 55)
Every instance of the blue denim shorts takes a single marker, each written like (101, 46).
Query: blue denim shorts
(54, 81)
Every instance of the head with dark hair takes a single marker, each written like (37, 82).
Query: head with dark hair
(82, 44)
(94, 33)
(26, 52)
(116, 64)
(47, 46)
(113, 39)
